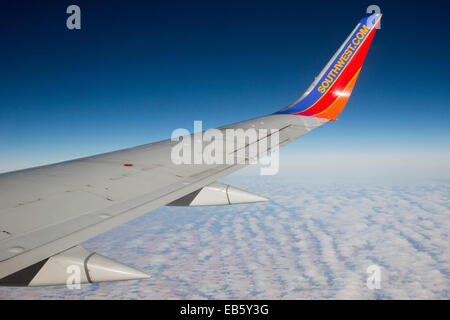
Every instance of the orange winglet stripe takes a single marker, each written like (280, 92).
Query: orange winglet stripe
(345, 77)
(338, 105)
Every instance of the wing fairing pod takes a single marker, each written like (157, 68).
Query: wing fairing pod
(217, 194)
(76, 265)
(327, 95)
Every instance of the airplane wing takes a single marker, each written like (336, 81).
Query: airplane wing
(46, 212)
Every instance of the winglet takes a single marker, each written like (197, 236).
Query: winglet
(328, 94)
(73, 266)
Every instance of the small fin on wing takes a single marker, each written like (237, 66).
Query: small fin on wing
(73, 266)
(217, 194)
(328, 94)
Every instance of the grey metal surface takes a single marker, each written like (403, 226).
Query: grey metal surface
(46, 210)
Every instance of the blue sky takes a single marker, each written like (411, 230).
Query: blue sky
(135, 72)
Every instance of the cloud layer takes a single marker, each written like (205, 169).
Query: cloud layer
(310, 241)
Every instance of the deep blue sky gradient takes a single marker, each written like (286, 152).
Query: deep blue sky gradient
(138, 70)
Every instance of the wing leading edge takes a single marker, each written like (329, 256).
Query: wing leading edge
(48, 211)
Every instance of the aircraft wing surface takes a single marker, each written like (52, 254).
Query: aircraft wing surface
(46, 212)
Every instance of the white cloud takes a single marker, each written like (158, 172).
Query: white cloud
(310, 241)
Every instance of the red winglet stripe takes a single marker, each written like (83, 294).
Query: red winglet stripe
(341, 83)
